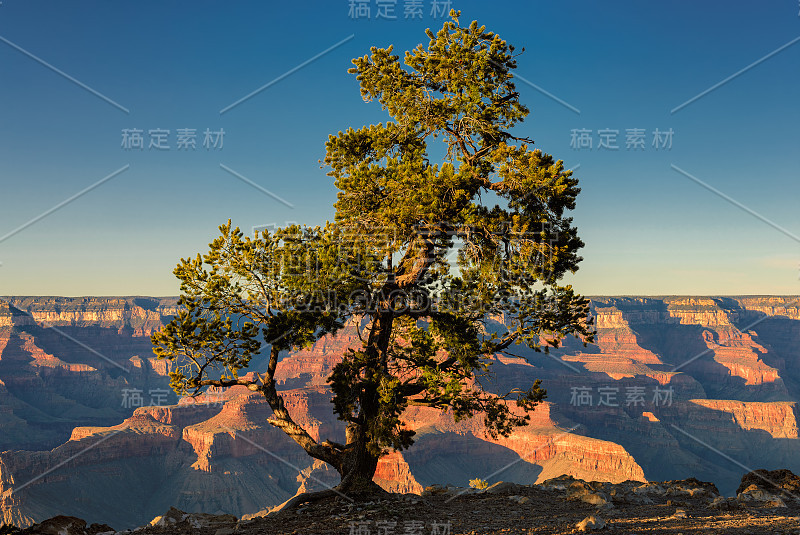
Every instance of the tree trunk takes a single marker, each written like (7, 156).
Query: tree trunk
(357, 461)
(358, 464)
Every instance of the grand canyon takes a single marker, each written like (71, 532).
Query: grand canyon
(674, 387)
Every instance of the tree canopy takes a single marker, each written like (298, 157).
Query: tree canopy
(429, 327)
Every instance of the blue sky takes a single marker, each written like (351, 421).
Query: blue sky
(592, 66)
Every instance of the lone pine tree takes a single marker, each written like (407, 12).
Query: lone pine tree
(428, 329)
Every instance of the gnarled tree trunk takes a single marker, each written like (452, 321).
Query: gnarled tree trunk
(358, 464)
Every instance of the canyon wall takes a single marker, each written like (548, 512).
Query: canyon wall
(66, 362)
(674, 387)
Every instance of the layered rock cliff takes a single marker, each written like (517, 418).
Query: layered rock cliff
(675, 387)
(67, 362)
(223, 456)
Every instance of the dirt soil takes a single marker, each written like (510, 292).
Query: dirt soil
(529, 509)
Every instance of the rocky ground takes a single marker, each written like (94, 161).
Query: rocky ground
(767, 503)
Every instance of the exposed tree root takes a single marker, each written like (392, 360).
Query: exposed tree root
(295, 501)
(311, 497)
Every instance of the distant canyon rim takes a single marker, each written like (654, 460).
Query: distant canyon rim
(675, 387)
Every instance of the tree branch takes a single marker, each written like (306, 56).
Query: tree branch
(283, 420)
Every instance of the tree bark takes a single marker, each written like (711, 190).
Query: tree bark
(358, 464)
(283, 420)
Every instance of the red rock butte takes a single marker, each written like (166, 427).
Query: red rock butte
(675, 387)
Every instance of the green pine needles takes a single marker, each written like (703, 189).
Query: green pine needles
(429, 327)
